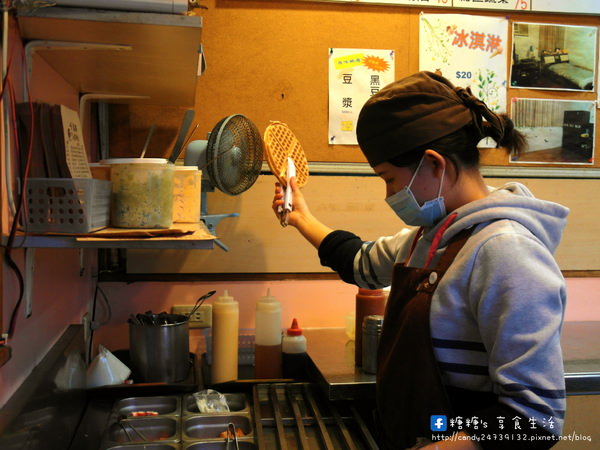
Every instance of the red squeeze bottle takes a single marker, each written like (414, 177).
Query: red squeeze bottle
(368, 302)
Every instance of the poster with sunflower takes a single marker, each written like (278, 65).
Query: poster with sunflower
(354, 75)
(470, 51)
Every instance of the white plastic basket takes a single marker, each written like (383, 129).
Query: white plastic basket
(245, 346)
(67, 205)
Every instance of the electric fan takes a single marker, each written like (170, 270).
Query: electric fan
(230, 160)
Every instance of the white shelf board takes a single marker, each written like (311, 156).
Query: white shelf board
(200, 239)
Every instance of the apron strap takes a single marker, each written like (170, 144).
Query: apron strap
(438, 237)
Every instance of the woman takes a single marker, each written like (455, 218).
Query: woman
(472, 325)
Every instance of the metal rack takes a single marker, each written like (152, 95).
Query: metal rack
(295, 416)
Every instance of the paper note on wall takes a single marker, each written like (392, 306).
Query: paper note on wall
(74, 146)
(354, 75)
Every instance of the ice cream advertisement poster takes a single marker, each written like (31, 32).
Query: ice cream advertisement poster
(470, 51)
(354, 76)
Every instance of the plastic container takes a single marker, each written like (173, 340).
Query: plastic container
(293, 348)
(267, 342)
(142, 192)
(106, 369)
(368, 302)
(186, 194)
(371, 331)
(225, 325)
(67, 205)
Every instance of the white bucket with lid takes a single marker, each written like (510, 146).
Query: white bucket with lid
(187, 187)
(142, 192)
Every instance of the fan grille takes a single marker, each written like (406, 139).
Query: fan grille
(235, 154)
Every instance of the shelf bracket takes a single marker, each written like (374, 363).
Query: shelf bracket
(85, 99)
(32, 46)
(211, 221)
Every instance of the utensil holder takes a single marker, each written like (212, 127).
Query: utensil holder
(160, 353)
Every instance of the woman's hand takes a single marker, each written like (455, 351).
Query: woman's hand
(300, 217)
(299, 207)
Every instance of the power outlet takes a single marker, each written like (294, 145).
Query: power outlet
(202, 318)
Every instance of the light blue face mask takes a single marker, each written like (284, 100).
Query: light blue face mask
(405, 205)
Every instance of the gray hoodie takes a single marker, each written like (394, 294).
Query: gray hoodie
(496, 315)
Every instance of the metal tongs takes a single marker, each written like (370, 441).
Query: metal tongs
(199, 302)
(287, 207)
(124, 423)
(231, 437)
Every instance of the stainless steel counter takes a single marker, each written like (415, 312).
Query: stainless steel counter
(332, 366)
(581, 354)
(332, 362)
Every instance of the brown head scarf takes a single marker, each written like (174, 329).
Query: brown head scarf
(416, 110)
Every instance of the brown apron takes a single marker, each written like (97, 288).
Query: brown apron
(409, 386)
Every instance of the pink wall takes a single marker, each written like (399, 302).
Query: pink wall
(314, 303)
(60, 297)
(60, 294)
(583, 299)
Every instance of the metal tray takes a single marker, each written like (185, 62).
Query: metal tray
(208, 427)
(163, 405)
(144, 430)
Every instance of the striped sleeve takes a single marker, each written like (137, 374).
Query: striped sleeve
(367, 264)
(374, 262)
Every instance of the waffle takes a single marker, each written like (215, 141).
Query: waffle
(281, 143)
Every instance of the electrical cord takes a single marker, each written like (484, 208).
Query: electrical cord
(8, 257)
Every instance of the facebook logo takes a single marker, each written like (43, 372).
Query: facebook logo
(438, 423)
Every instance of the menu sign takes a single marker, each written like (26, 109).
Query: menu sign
(74, 147)
(354, 75)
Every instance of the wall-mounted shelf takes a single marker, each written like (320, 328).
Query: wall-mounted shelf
(155, 55)
(150, 56)
(199, 238)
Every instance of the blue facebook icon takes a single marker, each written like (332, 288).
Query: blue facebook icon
(438, 423)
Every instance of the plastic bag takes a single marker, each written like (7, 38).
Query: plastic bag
(106, 369)
(72, 374)
(210, 401)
